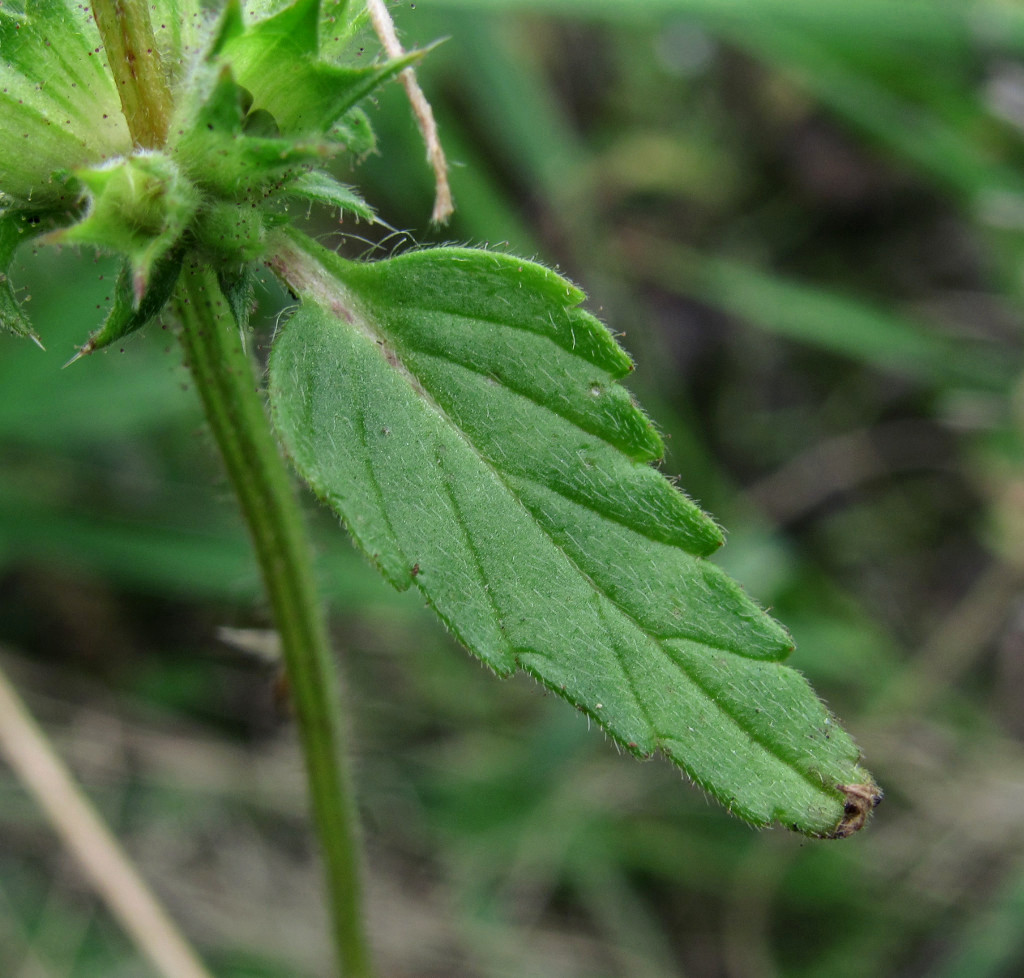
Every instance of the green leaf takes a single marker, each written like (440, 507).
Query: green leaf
(15, 227)
(180, 29)
(230, 25)
(221, 156)
(341, 23)
(938, 28)
(239, 287)
(130, 313)
(354, 132)
(58, 105)
(140, 207)
(276, 60)
(462, 415)
(322, 188)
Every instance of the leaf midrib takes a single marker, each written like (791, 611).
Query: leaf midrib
(364, 324)
(480, 372)
(759, 741)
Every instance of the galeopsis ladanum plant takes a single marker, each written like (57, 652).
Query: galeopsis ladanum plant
(458, 409)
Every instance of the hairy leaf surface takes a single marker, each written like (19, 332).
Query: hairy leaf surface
(14, 229)
(130, 311)
(463, 416)
(57, 100)
(276, 59)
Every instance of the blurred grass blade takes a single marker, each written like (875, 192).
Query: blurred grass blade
(951, 155)
(991, 946)
(920, 23)
(833, 322)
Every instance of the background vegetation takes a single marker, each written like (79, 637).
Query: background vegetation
(808, 220)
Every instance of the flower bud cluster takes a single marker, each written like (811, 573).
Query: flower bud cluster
(253, 115)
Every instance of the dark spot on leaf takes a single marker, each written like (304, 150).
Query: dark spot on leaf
(861, 800)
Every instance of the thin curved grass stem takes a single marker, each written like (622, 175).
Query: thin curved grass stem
(109, 870)
(384, 27)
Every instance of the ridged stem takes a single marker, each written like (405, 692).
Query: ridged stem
(225, 380)
(134, 59)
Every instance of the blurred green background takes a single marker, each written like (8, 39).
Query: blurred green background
(807, 219)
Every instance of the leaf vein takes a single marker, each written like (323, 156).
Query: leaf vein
(512, 388)
(569, 346)
(746, 728)
(477, 563)
(627, 675)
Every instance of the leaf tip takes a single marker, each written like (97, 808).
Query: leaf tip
(860, 801)
(82, 351)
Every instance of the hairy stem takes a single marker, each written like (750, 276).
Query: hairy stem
(134, 60)
(224, 377)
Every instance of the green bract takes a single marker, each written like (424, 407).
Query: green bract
(59, 109)
(140, 206)
(456, 408)
(252, 114)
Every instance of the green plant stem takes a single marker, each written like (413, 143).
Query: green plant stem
(224, 378)
(134, 59)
